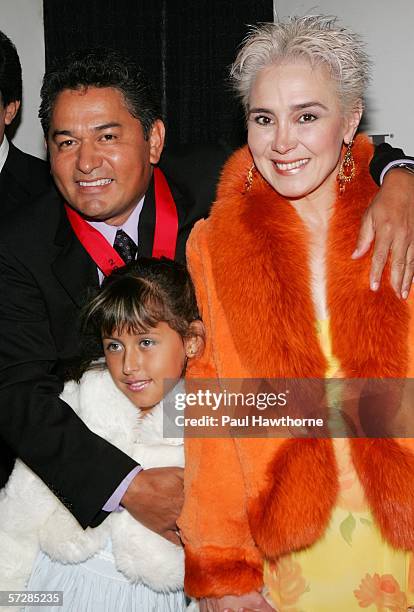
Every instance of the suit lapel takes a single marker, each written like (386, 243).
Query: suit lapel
(73, 267)
(16, 166)
(146, 223)
(16, 163)
(12, 186)
(3, 185)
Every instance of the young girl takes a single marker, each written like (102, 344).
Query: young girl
(145, 324)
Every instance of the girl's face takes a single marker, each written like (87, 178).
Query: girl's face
(140, 363)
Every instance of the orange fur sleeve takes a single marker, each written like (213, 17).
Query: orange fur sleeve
(221, 556)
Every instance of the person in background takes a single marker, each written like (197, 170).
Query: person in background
(22, 176)
(305, 523)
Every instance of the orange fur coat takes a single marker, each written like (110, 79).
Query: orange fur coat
(247, 499)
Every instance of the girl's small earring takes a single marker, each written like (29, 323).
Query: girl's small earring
(249, 178)
(346, 169)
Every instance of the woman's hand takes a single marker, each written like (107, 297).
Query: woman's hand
(390, 219)
(250, 602)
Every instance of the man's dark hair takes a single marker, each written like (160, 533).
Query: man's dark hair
(10, 72)
(101, 68)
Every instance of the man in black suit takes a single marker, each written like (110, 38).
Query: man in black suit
(105, 135)
(22, 176)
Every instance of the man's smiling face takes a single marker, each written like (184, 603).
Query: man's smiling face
(99, 157)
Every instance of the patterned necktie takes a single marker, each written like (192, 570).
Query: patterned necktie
(125, 246)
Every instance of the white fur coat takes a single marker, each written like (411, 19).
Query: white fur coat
(31, 517)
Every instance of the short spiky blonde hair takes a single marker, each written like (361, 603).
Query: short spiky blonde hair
(316, 38)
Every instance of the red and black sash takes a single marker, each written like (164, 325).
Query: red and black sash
(165, 235)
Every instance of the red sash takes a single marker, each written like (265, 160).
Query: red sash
(165, 235)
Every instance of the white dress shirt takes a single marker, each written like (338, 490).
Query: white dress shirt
(130, 227)
(4, 151)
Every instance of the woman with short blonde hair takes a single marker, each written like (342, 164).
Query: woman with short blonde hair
(315, 524)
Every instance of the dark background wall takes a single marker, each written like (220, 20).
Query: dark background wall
(186, 46)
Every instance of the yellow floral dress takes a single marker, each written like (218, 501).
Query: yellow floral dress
(351, 567)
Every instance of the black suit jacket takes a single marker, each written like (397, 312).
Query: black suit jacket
(384, 154)
(45, 278)
(22, 179)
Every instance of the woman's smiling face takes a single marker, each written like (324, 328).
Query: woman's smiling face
(296, 128)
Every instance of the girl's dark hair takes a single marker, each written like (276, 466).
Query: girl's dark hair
(135, 298)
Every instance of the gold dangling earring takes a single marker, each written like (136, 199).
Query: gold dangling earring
(249, 178)
(346, 169)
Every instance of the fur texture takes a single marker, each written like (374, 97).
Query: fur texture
(249, 261)
(31, 517)
(275, 505)
(211, 579)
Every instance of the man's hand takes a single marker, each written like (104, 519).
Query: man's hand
(155, 498)
(250, 602)
(390, 219)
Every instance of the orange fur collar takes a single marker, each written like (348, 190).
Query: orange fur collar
(260, 266)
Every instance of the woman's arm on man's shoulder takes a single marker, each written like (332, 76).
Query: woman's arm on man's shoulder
(389, 221)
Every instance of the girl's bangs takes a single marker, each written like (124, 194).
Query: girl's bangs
(132, 314)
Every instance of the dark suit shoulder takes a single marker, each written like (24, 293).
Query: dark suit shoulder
(192, 173)
(194, 170)
(22, 178)
(36, 223)
(30, 172)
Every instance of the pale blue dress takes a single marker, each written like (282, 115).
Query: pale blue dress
(96, 586)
